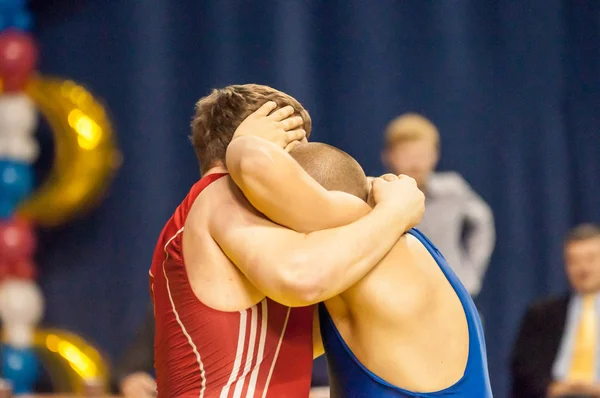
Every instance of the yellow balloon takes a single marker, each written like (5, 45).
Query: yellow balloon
(70, 361)
(86, 155)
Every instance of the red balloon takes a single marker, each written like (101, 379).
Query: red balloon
(17, 240)
(15, 82)
(23, 269)
(18, 58)
(5, 270)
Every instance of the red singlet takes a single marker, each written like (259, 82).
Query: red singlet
(264, 351)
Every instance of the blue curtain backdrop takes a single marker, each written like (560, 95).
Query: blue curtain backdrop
(513, 86)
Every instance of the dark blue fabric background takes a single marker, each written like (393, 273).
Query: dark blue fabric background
(513, 86)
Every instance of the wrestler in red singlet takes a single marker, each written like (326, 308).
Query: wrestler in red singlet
(264, 351)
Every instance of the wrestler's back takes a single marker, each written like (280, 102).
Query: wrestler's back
(215, 280)
(406, 323)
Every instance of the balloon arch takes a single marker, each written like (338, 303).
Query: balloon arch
(86, 159)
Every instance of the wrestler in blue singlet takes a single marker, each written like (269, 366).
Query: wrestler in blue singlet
(349, 378)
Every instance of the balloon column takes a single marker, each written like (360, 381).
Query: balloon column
(21, 307)
(21, 302)
(86, 159)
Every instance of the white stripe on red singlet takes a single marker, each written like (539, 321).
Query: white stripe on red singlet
(186, 334)
(287, 316)
(239, 353)
(151, 284)
(239, 386)
(261, 349)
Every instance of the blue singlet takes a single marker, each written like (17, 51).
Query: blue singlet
(351, 379)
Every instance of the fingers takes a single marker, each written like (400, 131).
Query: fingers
(407, 178)
(389, 177)
(404, 176)
(291, 146)
(292, 123)
(377, 181)
(281, 114)
(295, 135)
(265, 109)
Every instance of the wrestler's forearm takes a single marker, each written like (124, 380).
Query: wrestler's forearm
(298, 269)
(327, 261)
(280, 189)
(330, 261)
(323, 264)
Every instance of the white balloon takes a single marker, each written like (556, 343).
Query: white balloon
(18, 115)
(21, 308)
(20, 148)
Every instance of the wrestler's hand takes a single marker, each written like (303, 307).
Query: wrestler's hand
(387, 177)
(400, 192)
(138, 385)
(280, 127)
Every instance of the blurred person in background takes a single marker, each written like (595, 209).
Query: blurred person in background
(133, 375)
(556, 353)
(456, 219)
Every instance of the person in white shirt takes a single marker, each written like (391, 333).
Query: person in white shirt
(457, 219)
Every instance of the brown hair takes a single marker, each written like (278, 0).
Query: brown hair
(583, 232)
(333, 168)
(219, 114)
(411, 127)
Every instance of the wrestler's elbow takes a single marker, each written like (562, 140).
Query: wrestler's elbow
(251, 161)
(300, 282)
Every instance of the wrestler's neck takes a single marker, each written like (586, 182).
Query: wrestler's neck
(217, 169)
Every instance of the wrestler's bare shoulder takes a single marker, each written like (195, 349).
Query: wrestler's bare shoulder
(215, 280)
(221, 200)
(399, 287)
(406, 308)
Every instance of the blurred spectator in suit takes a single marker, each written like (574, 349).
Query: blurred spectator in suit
(133, 374)
(557, 352)
(456, 219)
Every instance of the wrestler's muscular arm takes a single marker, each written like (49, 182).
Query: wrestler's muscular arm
(279, 188)
(299, 269)
(275, 184)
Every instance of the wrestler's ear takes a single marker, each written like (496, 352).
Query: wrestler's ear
(370, 200)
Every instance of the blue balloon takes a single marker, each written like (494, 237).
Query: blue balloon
(14, 14)
(16, 181)
(20, 366)
(4, 21)
(12, 3)
(22, 20)
(7, 208)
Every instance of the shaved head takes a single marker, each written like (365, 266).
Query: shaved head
(333, 168)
